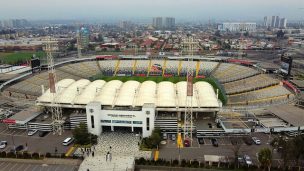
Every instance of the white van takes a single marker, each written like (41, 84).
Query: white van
(68, 141)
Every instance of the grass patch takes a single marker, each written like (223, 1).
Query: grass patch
(157, 79)
(19, 57)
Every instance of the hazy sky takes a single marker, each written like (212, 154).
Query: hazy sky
(140, 9)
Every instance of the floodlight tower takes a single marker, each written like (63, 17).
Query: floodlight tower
(189, 44)
(56, 111)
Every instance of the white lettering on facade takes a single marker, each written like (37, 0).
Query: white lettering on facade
(121, 116)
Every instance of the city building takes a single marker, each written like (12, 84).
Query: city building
(125, 24)
(84, 37)
(283, 23)
(237, 27)
(158, 22)
(267, 21)
(14, 23)
(275, 22)
(169, 22)
(163, 23)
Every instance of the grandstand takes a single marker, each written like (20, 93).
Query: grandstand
(136, 89)
(227, 72)
(266, 95)
(239, 82)
(77, 94)
(249, 84)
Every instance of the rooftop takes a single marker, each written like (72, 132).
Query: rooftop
(289, 113)
(131, 93)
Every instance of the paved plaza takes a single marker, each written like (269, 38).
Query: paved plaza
(122, 149)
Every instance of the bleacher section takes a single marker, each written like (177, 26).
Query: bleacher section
(243, 85)
(172, 67)
(108, 67)
(205, 68)
(231, 72)
(125, 68)
(249, 84)
(267, 95)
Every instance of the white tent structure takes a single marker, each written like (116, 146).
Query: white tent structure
(130, 94)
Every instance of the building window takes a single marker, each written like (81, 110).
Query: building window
(148, 112)
(148, 124)
(105, 121)
(91, 110)
(92, 121)
(137, 122)
(121, 121)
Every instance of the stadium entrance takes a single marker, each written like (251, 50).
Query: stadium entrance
(125, 129)
(106, 129)
(137, 130)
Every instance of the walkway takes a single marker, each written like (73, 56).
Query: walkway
(122, 148)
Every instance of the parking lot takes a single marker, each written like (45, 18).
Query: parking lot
(34, 143)
(16, 166)
(197, 151)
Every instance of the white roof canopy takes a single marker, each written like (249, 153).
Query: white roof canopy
(131, 93)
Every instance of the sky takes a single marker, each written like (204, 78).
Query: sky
(229, 10)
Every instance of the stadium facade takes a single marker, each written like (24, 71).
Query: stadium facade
(131, 104)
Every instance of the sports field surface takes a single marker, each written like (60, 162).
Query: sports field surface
(18, 57)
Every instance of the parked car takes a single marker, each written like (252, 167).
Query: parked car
(43, 133)
(67, 141)
(256, 140)
(173, 137)
(248, 140)
(214, 142)
(201, 141)
(241, 160)
(165, 136)
(3, 144)
(32, 132)
(247, 159)
(19, 148)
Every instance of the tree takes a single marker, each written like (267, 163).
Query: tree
(265, 158)
(283, 148)
(81, 134)
(217, 33)
(297, 149)
(155, 137)
(280, 34)
(236, 147)
(246, 34)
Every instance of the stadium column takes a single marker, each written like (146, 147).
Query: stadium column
(197, 68)
(179, 116)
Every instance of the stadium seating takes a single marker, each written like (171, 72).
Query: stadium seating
(108, 67)
(249, 84)
(172, 67)
(232, 72)
(206, 67)
(142, 67)
(269, 94)
(125, 67)
(243, 85)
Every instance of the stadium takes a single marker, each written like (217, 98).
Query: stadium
(137, 94)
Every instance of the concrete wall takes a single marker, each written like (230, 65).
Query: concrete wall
(101, 118)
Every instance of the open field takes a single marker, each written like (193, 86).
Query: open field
(18, 57)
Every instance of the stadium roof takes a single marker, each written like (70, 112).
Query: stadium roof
(131, 93)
